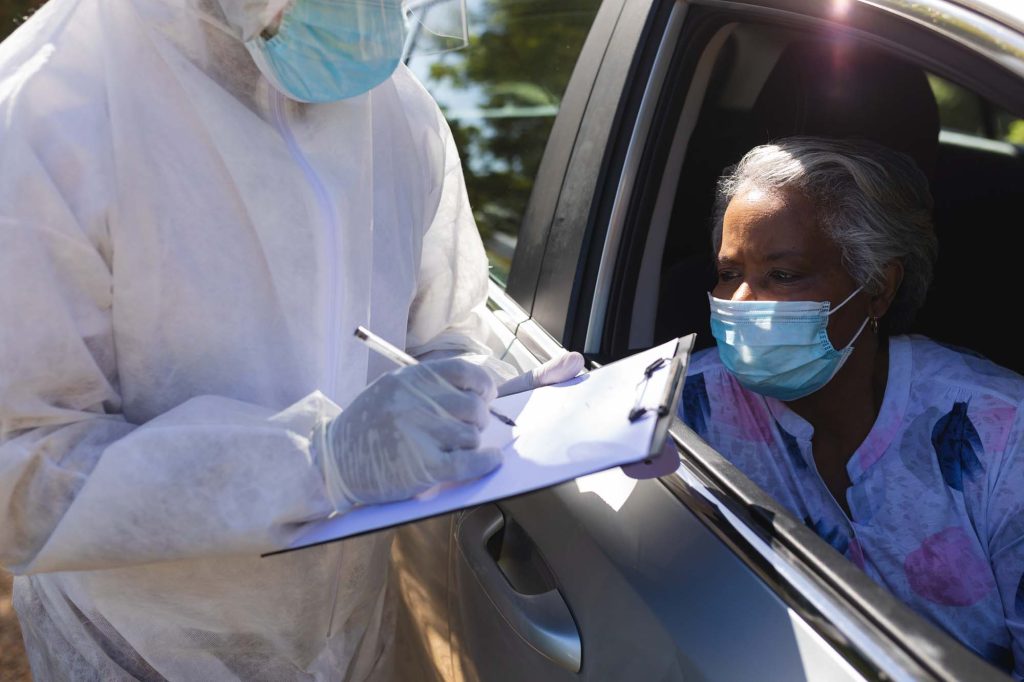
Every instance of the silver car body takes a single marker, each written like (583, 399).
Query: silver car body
(698, 574)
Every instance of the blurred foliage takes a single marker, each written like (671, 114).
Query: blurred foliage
(501, 95)
(14, 12)
(965, 112)
(959, 109)
(1015, 132)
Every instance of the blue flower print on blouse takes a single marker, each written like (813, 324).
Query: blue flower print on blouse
(792, 447)
(833, 536)
(696, 407)
(957, 446)
(1019, 601)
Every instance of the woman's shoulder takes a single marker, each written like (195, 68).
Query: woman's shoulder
(950, 365)
(705, 361)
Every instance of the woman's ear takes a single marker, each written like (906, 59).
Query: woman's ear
(881, 301)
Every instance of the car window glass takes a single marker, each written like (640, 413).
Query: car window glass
(962, 111)
(1009, 128)
(501, 95)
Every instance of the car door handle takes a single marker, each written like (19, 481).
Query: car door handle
(519, 585)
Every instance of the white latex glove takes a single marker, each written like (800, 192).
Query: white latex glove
(407, 431)
(551, 372)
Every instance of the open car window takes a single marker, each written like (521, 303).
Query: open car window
(750, 74)
(968, 117)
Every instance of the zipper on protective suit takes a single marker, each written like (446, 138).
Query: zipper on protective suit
(331, 220)
(277, 101)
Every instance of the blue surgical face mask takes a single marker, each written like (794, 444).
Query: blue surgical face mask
(778, 348)
(329, 50)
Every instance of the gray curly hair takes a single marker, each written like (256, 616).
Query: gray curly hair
(872, 201)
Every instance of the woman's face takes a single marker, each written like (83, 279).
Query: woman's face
(773, 250)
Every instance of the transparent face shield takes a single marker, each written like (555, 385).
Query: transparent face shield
(434, 27)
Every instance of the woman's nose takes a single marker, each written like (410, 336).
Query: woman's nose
(743, 293)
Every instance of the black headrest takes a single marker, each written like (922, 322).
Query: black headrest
(847, 90)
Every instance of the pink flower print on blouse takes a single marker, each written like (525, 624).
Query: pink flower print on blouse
(855, 553)
(946, 569)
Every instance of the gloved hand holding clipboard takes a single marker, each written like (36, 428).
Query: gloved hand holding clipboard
(616, 415)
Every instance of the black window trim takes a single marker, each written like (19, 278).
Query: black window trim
(533, 240)
(561, 287)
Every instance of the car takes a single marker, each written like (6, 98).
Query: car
(593, 132)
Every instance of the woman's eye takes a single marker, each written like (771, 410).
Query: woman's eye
(727, 275)
(780, 276)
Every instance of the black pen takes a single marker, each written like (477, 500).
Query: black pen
(400, 357)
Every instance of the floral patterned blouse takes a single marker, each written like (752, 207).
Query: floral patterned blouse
(937, 494)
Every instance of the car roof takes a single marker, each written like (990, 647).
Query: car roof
(1007, 12)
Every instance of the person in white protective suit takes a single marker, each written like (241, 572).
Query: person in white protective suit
(186, 249)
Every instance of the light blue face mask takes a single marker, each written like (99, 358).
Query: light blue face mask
(778, 348)
(329, 50)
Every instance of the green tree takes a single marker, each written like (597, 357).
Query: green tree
(963, 111)
(1016, 132)
(501, 95)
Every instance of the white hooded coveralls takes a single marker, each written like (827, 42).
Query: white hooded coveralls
(184, 254)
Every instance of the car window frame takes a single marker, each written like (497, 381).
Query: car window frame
(538, 217)
(561, 265)
(873, 630)
(564, 305)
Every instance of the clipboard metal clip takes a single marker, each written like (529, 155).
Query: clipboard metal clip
(654, 366)
(662, 408)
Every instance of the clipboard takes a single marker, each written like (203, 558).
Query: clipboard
(665, 407)
(613, 416)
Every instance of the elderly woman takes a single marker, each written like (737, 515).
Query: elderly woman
(905, 455)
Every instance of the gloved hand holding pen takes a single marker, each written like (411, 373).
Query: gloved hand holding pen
(411, 429)
(418, 426)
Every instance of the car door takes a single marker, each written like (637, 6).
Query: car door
(528, 61)
(697, 574)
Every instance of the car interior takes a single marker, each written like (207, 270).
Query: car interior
(767, 82)
(756, 82)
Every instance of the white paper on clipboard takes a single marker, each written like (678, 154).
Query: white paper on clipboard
(562, 432)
